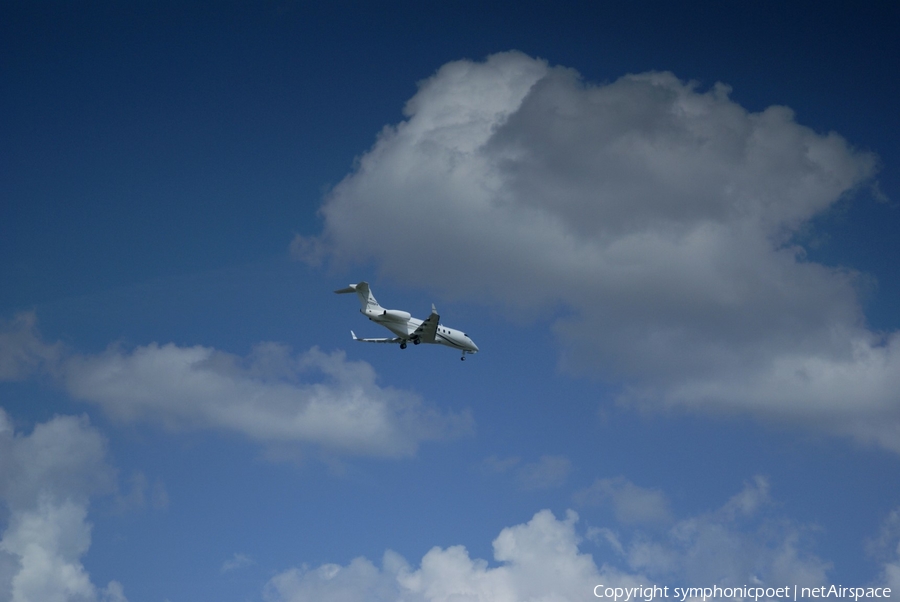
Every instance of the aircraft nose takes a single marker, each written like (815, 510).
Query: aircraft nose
(474, 346)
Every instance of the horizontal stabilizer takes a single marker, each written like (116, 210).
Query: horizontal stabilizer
(366, 298)
(356, 338)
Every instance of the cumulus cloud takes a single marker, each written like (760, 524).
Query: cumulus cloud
(273, 396)
(539, 560)
(46, 480)
(660, 216)
(360, 580)
(544, 560)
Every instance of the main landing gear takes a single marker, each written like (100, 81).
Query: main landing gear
(415, 341)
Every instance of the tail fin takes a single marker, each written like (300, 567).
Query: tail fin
(366, 298)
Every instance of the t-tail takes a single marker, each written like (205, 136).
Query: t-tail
(366, 298)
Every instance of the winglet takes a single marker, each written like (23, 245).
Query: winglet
(353, 334)
(433, 310)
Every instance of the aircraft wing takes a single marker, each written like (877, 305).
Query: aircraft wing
(394, 340)
(427, 330)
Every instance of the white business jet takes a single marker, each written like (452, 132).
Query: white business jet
(406, 327)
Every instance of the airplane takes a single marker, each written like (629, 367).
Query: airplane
(406, 327)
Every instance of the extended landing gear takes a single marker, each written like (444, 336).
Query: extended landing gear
(463, 358)
(403, 345)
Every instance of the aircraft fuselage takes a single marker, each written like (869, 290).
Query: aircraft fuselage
(404, 326)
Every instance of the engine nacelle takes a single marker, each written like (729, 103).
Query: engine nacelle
(396, 314)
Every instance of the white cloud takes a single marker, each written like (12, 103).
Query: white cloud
(631, 503)
(113, 592)
(237, 561)
(49, 540)
(360, 580)
(886, 549)
(660, 215)
(742, 542)
(141, 494)
(309, 250)
(543, 561)
(540, 561)
(46, 480)
(272, 396)
(494, 464)
(62, 458)
(547, 472)
(22, 352)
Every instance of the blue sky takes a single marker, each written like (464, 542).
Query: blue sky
(671, 231)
